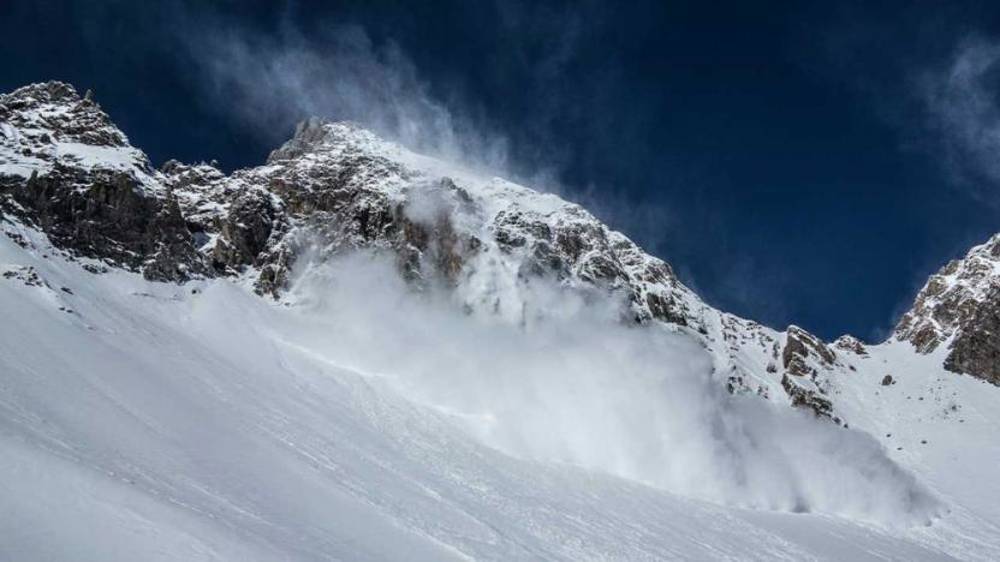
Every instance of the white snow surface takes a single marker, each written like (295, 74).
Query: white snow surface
(358, 420)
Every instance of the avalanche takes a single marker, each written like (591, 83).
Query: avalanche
(154, 421)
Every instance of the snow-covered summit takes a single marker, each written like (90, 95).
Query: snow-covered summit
(48, 128)
(959, 307)
(337, 187)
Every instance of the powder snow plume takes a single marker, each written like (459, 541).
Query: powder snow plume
(574, 386)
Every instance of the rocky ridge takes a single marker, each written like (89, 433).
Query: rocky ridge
(958, 310)
(66, 170)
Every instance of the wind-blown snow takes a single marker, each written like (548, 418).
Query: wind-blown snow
(577, 387)
(199, 422)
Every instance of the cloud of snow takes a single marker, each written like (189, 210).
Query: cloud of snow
(963, 103)
(271, 80)
(426, 204)
(274, 80)
(572, 385)
(555, 379)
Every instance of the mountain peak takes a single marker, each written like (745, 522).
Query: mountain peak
(315, 134)
(52, 91)
(335, 187)
(958, 307)
(48, 129)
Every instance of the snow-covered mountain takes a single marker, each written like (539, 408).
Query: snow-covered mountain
(959, 309)
(201, 359)
(336, 187)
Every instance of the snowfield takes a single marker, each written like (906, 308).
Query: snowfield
(357, 420)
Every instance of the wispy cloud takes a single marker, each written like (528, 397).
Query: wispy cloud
(271, 80)
(962, 99)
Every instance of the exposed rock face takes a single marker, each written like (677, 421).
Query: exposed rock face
(67, 170)
(803, 398)
(110, 220)
(72, 173)
(976, 351)
(960, 306)
(802, 351)
(851, 344)
(246, 229)
(804, 358)
(337, 187)
(54, 112)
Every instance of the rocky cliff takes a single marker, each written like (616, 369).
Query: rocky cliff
(959, 310)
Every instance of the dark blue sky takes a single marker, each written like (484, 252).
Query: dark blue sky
(796, 163)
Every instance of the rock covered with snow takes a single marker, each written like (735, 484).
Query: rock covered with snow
(336, 187)
(48, 129)
(68, 171)
(959, 308)
(851, 344)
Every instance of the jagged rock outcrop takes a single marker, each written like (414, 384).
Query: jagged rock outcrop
(851, 344)
(53, 112)
(804, 357)
(336, 186)
(960, 307)
(803, 351)
(246, 229)
(976, 351)
(66, 169)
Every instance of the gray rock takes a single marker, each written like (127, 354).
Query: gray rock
(961, 302)
(976, 350)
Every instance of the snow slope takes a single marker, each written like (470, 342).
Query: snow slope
(155, 421)
(940, 425)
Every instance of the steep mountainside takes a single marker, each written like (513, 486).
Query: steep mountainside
(67, 170)
(193, 367)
